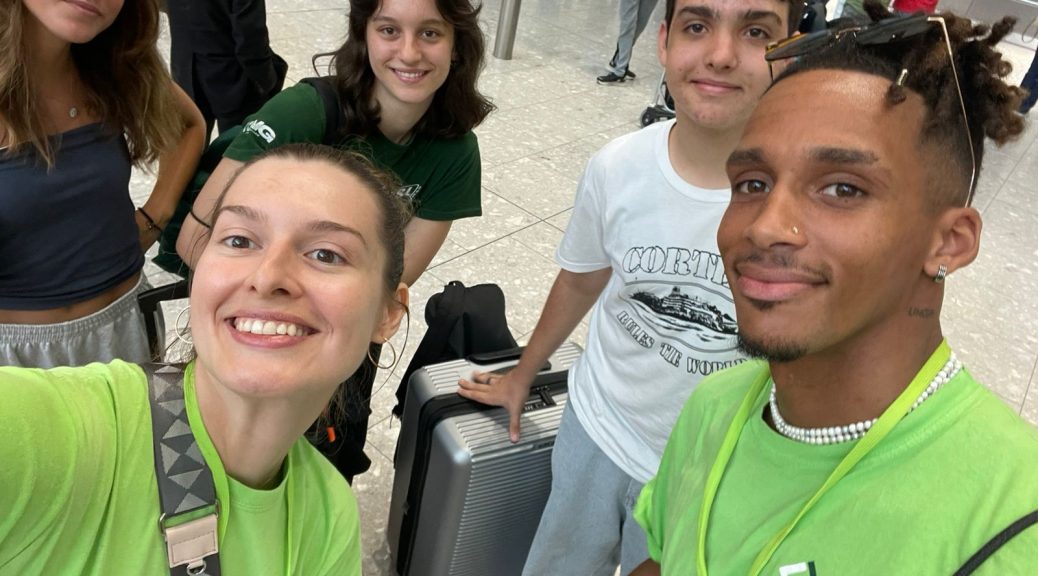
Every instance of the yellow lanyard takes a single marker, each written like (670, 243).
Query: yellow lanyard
(890, 418)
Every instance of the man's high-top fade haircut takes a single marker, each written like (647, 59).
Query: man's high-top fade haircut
(796, 12)
(990, 102)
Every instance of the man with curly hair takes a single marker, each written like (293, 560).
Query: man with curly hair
(858, 443)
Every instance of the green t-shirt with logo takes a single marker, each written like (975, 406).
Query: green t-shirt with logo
(951, 475)
(78, 492)
(440, 176)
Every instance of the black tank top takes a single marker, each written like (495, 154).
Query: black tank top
(66, 234)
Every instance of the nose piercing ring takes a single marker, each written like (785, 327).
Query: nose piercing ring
(796, 230)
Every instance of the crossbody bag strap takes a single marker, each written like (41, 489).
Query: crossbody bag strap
(999, 540)
(187, 495)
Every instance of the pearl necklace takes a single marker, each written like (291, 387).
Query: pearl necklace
(848, 432)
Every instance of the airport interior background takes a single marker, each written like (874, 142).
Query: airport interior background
(552, 116)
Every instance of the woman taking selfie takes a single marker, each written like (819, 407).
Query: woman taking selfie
(406, 82)
(286, 298)
(84, 96)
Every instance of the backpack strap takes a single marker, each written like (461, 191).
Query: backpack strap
(999, 540)
(442, 313)
(187, 495)
(334, 119)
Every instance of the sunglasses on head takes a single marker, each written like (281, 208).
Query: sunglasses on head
(879, 33)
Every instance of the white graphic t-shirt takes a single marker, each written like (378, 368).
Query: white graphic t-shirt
(666, 317)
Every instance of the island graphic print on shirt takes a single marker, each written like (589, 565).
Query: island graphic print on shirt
(677, 301)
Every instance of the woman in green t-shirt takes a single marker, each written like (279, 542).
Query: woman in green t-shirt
(285, 299)
(406, 81)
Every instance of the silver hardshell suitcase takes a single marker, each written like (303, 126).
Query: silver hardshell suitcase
(466, 501)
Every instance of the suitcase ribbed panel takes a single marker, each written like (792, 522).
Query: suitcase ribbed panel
(481, 496)
(444, 377)
(507, 490)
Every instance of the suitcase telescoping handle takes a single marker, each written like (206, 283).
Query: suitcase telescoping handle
(506, 355)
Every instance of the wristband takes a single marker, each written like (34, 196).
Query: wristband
(151, 223)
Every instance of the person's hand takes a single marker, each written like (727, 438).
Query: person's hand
(147, 232)
(509, 391)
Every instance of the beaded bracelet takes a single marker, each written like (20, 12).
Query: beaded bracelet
(151, 223)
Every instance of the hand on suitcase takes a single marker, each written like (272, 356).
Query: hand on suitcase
(510, 390)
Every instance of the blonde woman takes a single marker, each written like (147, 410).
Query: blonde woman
(84, 96)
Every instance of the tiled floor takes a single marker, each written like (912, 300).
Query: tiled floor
(551, 117)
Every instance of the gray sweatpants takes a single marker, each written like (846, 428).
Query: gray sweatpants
(634, 17)
(588, 525)
(115, 331)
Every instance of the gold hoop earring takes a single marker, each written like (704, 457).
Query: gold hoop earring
(180, 334)
(942, 273)
(391, 364)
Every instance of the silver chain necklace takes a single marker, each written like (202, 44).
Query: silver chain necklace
(848, 432)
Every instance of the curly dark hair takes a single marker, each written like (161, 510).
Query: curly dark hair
(990, 103)
(457, 107)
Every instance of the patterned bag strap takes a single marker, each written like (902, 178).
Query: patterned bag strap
(187, 495)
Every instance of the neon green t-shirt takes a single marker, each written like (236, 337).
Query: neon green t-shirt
(440, 176)
(78, 493)
(951, 475)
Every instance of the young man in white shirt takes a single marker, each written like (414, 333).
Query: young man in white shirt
(641, 248)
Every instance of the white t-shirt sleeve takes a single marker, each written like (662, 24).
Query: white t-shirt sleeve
(583, 246)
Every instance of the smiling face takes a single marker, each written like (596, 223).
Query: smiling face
(829, 228)
(410, 47)
(288, 294)
(713, 53)
(73, 21)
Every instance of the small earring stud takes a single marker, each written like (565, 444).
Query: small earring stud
(942, 273)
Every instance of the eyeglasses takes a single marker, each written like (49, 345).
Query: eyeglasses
(877, 34)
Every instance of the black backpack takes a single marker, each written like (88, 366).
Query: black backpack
(462, 321)
(167, 257)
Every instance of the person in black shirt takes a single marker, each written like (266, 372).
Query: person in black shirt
(220, 55)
